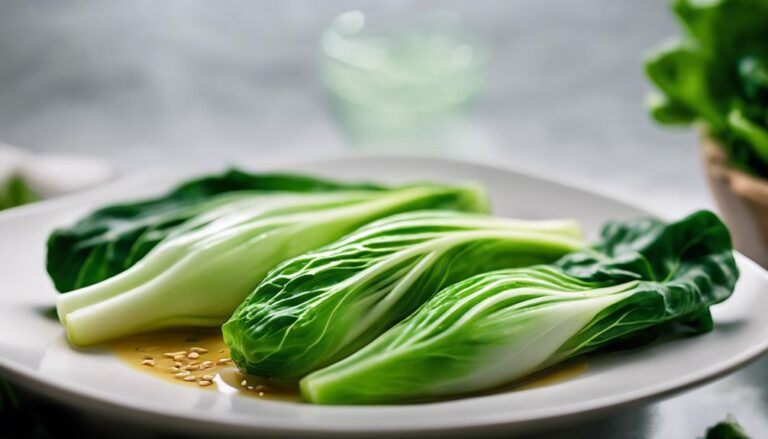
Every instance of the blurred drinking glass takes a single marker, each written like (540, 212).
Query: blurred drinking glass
(402, 84)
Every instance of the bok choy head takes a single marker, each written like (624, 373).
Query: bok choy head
(113, 238)
(500, 326)
(322, 306)
(195, 254)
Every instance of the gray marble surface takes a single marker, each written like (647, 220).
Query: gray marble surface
(196, 83)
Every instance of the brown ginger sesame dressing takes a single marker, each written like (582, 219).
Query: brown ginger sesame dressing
(168, 355)
(195, 357)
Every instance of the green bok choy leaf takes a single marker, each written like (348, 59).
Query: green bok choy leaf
(324, 305)
(112, 239)
(500, 326)
(207, 254)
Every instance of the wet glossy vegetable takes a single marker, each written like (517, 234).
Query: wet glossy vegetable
(321, 306)
(500, 326)
(188, 259)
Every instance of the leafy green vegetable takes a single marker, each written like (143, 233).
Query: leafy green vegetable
(500, 326)
(326, 304)
(112, 239)
(14, 192)
(211, 252)
(728, 429)
(717, 74)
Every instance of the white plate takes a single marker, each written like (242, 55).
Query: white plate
(34, 351)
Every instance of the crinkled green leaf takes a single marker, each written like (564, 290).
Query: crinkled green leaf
(202, 268)
(324, 305)
(111, 239)
(500, 326)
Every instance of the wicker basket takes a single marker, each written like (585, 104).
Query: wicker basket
(743, 203)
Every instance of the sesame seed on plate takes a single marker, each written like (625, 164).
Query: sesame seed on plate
(174, 354)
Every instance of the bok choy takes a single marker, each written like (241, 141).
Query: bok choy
(189, 258)
(112, 239)
(326, 304)
(644, 277)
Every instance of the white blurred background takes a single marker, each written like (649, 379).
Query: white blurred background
(190, 83)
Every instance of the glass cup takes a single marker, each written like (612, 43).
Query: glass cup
(401, 83)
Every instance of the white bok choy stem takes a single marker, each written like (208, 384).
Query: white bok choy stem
(198, 276)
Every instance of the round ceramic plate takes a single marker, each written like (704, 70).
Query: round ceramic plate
(34, 351)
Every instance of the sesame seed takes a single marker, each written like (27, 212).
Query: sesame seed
(199, 350)
(190, 378)
(177, 364)
(148, 363)
(193, 355)
(175, 354)
(207, 377)
(179, 357)
(243, 383)
(182, 374)
(173, 369)
(224, 360)
(204, 383)
(250, 387)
